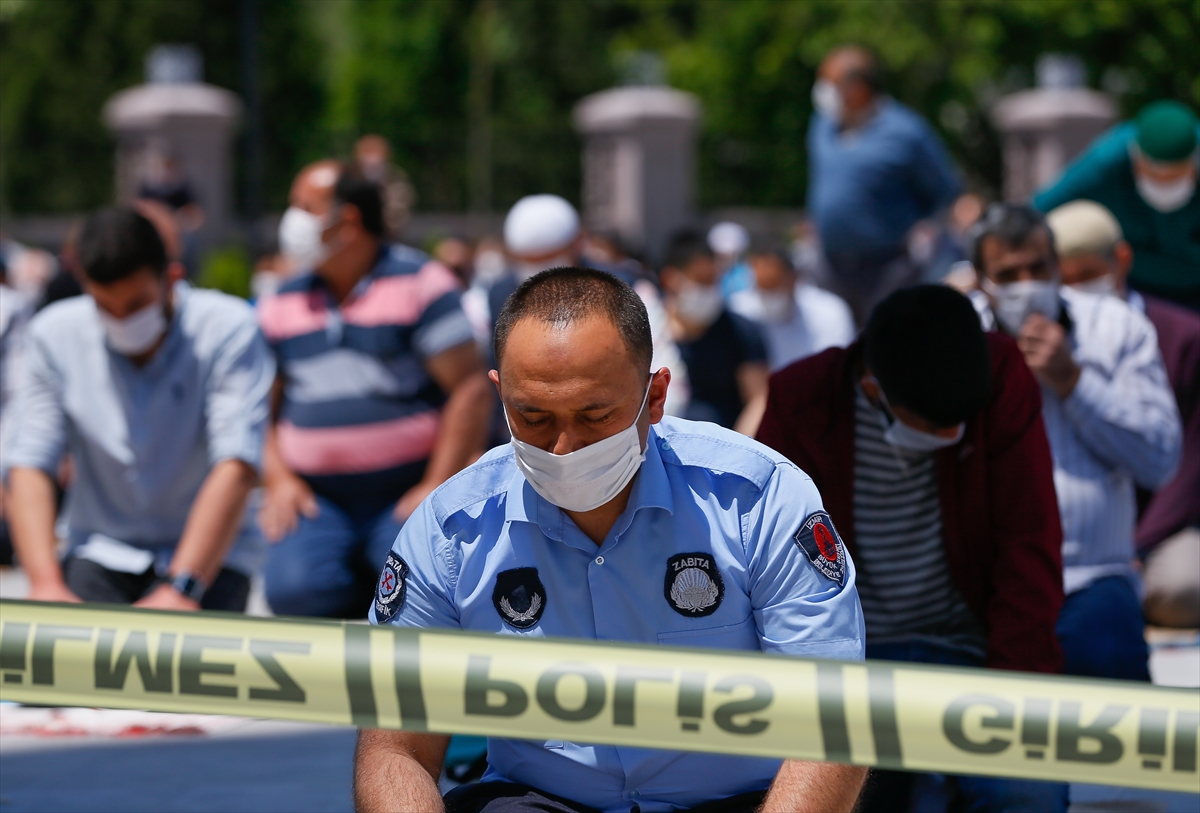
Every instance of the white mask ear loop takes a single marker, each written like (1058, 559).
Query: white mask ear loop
(886, 418)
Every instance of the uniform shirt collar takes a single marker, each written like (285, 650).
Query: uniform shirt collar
(651, 489)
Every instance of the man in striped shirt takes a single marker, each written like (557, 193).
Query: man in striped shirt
(926, 439)
(381, 395)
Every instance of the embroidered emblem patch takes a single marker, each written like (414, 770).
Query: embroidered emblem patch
(821, 544)
(392, 587)
(693, 585)
(520, 597)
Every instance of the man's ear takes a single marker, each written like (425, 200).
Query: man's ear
(657, 399)
(494, 377)
(869, 386)
(175, 272)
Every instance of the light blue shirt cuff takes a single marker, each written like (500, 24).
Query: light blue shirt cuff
(1084, 404)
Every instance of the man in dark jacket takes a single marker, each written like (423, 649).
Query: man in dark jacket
(926, 439)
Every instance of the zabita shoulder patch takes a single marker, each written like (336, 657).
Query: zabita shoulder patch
(693, 586)
(392, 587)
(821, 544)
(519, 597)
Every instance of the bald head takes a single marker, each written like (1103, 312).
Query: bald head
(312, 190)
(851, 65)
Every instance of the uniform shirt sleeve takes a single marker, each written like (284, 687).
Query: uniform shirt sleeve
(37, 438)
(442, 323)
(237, 396)
(798, 610)
(430, 575)
(1127, 415)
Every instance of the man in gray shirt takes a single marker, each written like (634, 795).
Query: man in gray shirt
(159, 394)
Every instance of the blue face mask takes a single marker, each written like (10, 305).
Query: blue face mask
(900, 435)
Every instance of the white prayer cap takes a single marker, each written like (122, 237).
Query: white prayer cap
(540, 224)
(1083, 227)
(728, 238)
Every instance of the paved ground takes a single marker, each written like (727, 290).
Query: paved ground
(256, 766)
(84, 760)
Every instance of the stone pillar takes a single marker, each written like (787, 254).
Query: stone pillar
(639, 164)
(178, 115)
(1045, 128)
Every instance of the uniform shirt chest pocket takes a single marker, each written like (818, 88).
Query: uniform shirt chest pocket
(742, 635)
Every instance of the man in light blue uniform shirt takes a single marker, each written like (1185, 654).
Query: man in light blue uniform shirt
(603, 520)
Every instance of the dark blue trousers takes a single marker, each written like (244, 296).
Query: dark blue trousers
(1103, 633)
(899, 791)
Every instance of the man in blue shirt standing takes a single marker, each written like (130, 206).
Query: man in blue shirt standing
(603, 520)
(875, 169)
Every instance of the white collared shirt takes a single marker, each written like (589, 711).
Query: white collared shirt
(1119, 428)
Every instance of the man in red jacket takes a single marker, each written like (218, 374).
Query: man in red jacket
(926, 439)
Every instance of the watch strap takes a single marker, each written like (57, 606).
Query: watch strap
(187, 584)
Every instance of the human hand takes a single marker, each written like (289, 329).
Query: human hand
(411, 499)
(284, 499)
(166, 597)
(1048, 354)
(53, 591)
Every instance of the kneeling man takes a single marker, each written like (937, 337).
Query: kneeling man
(573, 530)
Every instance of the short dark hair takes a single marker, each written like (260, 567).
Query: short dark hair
(117, 243)
(562, 296)
(365, 195)
(926, 348)
(770, 247)
(685, 246)
(1013, 224)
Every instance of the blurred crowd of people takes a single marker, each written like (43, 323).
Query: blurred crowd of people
(1013, 457)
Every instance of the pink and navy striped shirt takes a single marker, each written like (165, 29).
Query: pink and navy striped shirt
(360, 413)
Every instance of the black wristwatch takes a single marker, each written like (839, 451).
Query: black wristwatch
(187, 585)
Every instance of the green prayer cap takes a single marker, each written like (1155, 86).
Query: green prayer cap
(1166, 131)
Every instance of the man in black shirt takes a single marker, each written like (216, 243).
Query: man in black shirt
(725, 354)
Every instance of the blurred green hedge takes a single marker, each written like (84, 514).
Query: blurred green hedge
(476, 95)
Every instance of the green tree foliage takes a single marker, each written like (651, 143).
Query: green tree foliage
(476, 95)
(61, 60)
(753, 62)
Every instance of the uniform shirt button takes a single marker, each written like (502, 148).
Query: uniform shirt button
(599, 560)
(634, 794)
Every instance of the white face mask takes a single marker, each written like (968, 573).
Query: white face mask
(586, 478)
(1168, 196)
(1012, 303)
(827, 99)
(900, 435)
(903, 436)
(699, 304)
(1101, 286)
(136, 333)
(300, 239)
(777, 306)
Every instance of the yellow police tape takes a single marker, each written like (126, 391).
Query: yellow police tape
(891, 715)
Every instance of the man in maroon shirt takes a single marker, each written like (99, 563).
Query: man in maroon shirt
(926, 439)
